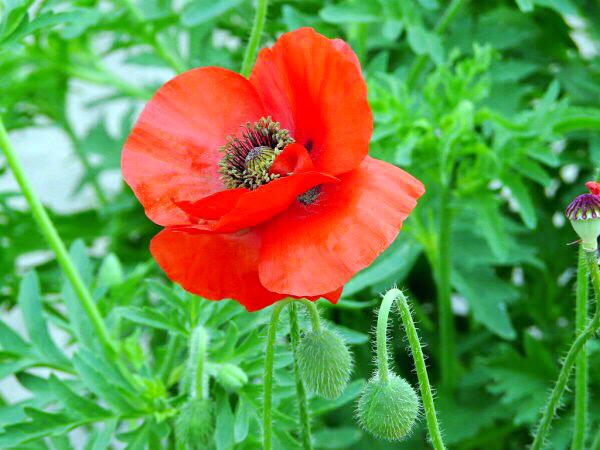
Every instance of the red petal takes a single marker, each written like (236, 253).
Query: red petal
(214, 206)
(173, 150)
(308, 250)
(257, 206)
(293, 159)
(315, 89)
(593, 187)
(215, 266)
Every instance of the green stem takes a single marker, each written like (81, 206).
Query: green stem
(440, 28)
(581, 365)
(48, 230)
(383, 370)
(268, 376)
(197, 361)
(435, 434)
(569, 362)
(314, 314)
(254, 41)
(300, 391)
(446, 317)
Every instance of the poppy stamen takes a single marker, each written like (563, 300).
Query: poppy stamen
(310, 196)
(248, 158)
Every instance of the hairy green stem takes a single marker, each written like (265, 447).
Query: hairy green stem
(268, 376)
(48, 230)
(383, 370)
(170, 357)
(565, 371)
(305, 432)
(254, 41)
(443, 22)
(446, 317)
(581, 365)
(314, 314)
(197, 362)
(435, 434)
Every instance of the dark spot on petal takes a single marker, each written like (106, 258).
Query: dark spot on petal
(310, 196)
(309, 145)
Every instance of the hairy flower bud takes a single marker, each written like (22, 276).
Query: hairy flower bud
(195, 423)
(325, 363)
(388, 409)
(231, 377)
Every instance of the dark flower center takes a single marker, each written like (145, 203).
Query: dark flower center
(248, 158)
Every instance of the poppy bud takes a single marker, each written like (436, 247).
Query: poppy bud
(584, 214)
(195, 423)
(388, 409)
(231, 377)
(325, 363)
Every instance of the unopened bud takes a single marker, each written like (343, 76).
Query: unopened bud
(325, 363)
(388, 409)
(195, 423)
(231, 377)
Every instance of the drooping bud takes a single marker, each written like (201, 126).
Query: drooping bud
(231, 377)
(584, 214)
(388, 409)
(195, 423)
(325, 363)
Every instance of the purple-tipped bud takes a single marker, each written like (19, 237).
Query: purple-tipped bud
(584, 214)
(584, 207)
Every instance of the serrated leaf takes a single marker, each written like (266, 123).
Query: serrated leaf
(75, 403)
(224, 433)
(522, 198)
(358, 12)
(201, 11)
(153, 318)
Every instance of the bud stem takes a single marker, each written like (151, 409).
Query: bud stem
(300, 391)
(197, 361)
(314, 314)
(417, 353)
(581, 366)
(569, 362)
(268, 376)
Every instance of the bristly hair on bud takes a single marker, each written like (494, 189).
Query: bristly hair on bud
(584, 214)
(325, 363)
(195, 424)
(388, 409)
(248, 158)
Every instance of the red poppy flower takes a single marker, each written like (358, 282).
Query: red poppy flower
(264, 186)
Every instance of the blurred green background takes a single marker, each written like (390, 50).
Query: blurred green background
(494, 105)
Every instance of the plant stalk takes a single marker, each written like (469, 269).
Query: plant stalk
(435, 434)
(581, 365)
(197, 362)
(48, 230)
(268, 376)
(254, 41)
(314, 314)
(305, 432)
(565, 371)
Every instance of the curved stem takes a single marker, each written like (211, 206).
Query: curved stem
(268, 376)
(257, 29)
(197, 361)
(314, 314)
(446, 317)
(300, 391)
(48, 230)
(569, 362)
(435, 434)
(581, 365)
(382, 321)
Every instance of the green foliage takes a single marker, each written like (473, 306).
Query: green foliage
(497, 101)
